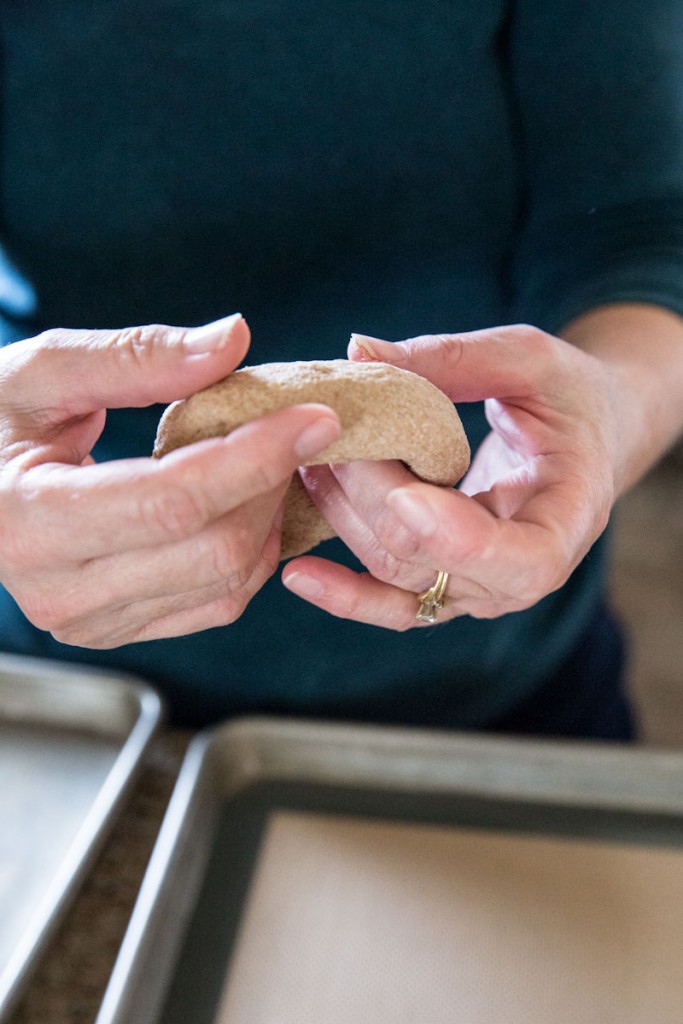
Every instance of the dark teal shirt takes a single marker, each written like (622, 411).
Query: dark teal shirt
(390, 168)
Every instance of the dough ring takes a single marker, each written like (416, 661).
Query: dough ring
(385, 412)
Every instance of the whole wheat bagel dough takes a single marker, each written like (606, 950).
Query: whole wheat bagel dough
(385, 413)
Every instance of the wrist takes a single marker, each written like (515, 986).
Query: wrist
(641, 347)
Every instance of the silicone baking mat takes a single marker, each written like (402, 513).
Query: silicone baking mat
(359, 920)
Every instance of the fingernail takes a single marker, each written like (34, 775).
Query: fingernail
(317, 436)
(413, 512)
(304, 586)
(369, 349)
(211, 337)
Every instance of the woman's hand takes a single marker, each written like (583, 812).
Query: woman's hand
(566, 432)
(137, 549)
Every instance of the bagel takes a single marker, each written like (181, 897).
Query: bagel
(385, 413)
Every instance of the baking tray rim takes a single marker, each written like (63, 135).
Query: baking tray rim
(145, 709)
(249, 750)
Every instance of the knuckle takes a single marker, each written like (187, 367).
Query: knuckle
(46, 610)
(532, 336)
(63, 607)
(450, 343)
(353, 606)
(387, 549)
(395, 538)
(548, 575)
(18, 365)
(349, 607)
(261, 477)
(264, 473)
(175, 513)
(53, 338)
(228, 608)
(449, 350)
(74, 636)
(539, 348)
(137, 343)
(382, 564)
(233, 558)
(80, 634)
(46, 350)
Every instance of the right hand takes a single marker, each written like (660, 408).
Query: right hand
(138, 549)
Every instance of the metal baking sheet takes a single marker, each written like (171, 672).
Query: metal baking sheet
(325, 873)
(70, 741)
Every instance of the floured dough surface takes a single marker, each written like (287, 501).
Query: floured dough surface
(385, 413)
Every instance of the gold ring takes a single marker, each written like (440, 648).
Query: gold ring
(432, 600)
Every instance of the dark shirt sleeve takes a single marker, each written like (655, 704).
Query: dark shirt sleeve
(598, 92)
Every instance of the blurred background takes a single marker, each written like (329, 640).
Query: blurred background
(647, 588)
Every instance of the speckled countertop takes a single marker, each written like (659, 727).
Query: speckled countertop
(69, 982)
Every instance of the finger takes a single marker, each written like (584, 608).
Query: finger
(504, 362)
(224, 555)
(105, 629)
(353, 499)
(515, 560)
(222, 610)
(356, 596)
(219, 611)
(64, 373)
(508, 546)
(92, 511)
(172, 614)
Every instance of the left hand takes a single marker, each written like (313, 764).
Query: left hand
(537, 496)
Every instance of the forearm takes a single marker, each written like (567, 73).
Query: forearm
(643, 345)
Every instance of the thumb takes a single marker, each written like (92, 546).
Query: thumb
(73, 373)
(504, 362)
